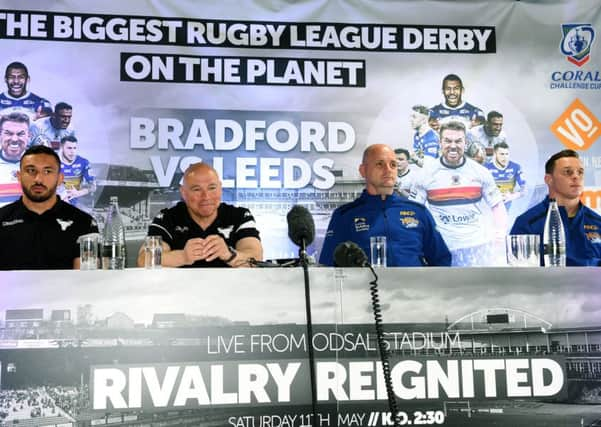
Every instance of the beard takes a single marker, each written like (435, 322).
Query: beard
(40, 197)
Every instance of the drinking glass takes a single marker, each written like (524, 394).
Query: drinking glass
(153, 252)
(377, 246)
(523, 250)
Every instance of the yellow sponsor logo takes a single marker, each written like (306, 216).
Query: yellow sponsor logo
(409, 222)
(593, 237)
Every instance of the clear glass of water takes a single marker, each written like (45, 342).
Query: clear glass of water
(523, 250)
(377, 246)
(153, 252)
(88, 252)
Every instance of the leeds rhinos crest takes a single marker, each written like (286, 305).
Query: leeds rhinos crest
(577, 42)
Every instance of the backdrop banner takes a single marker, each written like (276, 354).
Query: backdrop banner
(467, 347)
(283, 98)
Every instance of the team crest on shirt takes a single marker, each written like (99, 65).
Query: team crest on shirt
(577, 42)
(225, 231)
(409, 222)
(64, 224)
(181, 229)
(593, 237)
(455, 180)
(361, 224)
(408, 219)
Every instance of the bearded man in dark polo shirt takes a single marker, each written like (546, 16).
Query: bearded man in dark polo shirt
(201, 231)
(40, 231)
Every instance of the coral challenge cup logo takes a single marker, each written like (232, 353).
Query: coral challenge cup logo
(576, 42)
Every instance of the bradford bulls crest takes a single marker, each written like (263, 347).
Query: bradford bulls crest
(577, 42)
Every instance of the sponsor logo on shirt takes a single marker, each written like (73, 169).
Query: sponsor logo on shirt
(13, 222)
(361, 224)
(181, 229)
(458, 219)
(431, 150)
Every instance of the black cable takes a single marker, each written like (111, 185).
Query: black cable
(305, 265)
(384, 353)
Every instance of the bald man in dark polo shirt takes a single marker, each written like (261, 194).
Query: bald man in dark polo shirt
(201, 230)
(40, 231)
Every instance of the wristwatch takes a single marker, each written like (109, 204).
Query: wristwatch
(234, 254)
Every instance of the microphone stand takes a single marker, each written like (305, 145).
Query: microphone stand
(304, 262)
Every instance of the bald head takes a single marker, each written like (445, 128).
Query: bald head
(375, 150)
(201, 191)
(379, 168)
(200, 168)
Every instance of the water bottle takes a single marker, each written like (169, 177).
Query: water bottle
(554, 238)
(113, 239)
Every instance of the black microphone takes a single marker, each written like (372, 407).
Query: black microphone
(349, 254)
(301, 228)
